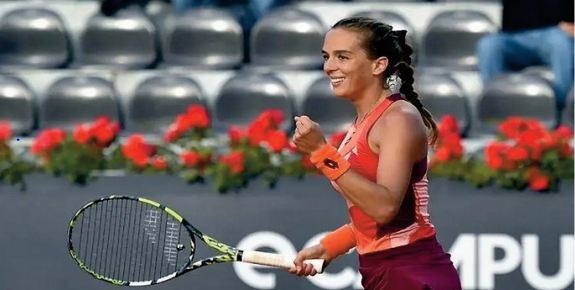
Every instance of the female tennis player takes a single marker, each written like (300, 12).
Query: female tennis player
(380, 167)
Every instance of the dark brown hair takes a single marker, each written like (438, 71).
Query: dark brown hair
(379, 39)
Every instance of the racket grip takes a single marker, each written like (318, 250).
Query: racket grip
(276, 260)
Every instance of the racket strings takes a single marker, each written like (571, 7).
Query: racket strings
(126, 240)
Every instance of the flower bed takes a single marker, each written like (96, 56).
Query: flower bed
(524, 155)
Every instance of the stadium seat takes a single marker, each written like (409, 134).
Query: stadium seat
(157, 101)
(516, 94)
(451, 38)
(77, 99)
(540, 71)
(475, 1)
(204, 38)
(389, 1)
(17, 104)
(397, 21)
(124, 41)
(442, 95)
(287, 38)
(33, 38)
(332, 113)
(246, 95)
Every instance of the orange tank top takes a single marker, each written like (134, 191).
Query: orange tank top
(412, 222)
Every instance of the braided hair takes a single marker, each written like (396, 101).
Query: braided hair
(379, 39)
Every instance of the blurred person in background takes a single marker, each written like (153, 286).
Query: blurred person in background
(381, 167)
(248, 12)
(534, 32)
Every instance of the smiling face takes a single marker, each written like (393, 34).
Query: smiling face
(348, 66)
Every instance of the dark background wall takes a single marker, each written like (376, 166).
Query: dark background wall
(492, 233)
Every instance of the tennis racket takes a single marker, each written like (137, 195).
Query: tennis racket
(133, 241)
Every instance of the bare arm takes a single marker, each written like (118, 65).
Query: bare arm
(400, 140)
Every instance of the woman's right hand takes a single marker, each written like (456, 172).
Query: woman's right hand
(314, 252)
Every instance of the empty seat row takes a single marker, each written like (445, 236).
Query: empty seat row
(209, 38)
(155, 101)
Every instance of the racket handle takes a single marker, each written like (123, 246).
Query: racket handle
(276, 260)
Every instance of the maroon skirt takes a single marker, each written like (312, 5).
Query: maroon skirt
(422, 265)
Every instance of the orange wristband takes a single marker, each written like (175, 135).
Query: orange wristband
(339, 241)
(329, 161)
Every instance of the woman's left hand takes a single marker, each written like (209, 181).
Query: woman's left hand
(308, 136)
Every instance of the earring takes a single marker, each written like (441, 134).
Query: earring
(393, 82)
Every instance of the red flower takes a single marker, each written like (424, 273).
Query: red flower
(48, 140)
(257, 132)
(495, 162)
(136, 150)
(448, 125)
(442, 154)
(198, 116)
(273, 117)
(511, 127)
(564, 132)
(539, 182)
(336, 138)
(140, 161)
(236, 134)
(183, 123)
(494, 153)
(452, 142)
(549, 141)
(5, 131)
(159, 163)
(235, 161)
(277, 140)
(566, 150)
(530, 139)
(533, 125)
(172, 134)
(82, 134)
(517, 154)
(190, 158)
(105, 131)
(102, 131)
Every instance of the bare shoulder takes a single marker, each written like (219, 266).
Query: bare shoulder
(402, 116)
(402, 121)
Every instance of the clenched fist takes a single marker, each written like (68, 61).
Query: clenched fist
(308, 136)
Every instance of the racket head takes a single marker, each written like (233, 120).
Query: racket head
(130, 241)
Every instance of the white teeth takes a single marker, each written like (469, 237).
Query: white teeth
(336, 81)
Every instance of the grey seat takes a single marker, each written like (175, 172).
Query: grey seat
(540, 71)
(287, 38)
(33, 38)
(397, 21)
(451, 39)
(78, 99)
(332, 113)
(517, 95)
(388, 1)
(442, 95)
(464, 1)
(124, 41)
(246, 95)
(158, 100)
(205, 38)
(17, 104)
